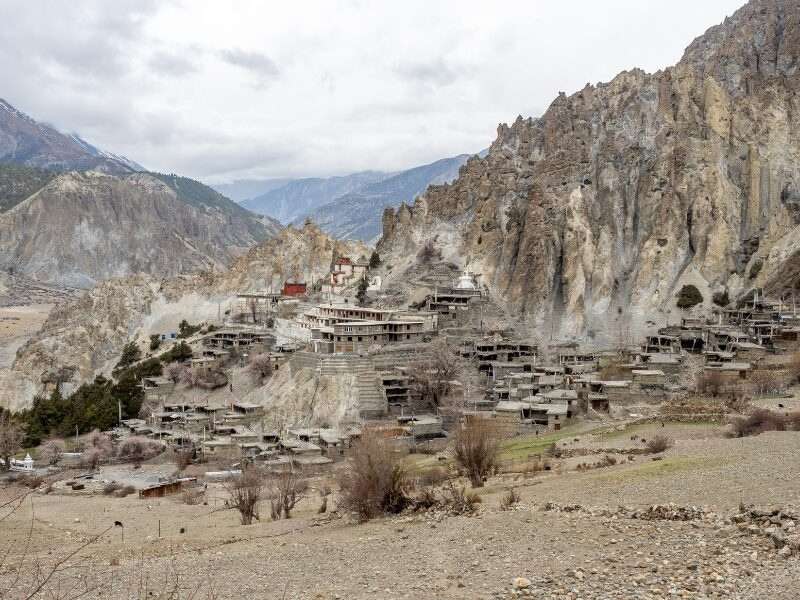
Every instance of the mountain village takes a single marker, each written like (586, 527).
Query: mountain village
(564, 367)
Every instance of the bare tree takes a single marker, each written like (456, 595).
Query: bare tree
(53, 451)
(711, 383)
(374, 480)
(260, 367)
(287, 489)
(175, 372)
(324, 492)
(138, 449)
(245, 492)
(475, 449)
(767, 381)
(433, 375)
(11, 436)
(101, 442)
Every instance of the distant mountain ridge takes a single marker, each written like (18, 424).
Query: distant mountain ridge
(301, 197)
(351, 206)
(245, 189)
(26, 142)
(358, 215)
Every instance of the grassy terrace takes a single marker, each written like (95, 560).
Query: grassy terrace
(512, 450)
(667, 466)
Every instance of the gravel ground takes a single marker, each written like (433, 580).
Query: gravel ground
(524, 552)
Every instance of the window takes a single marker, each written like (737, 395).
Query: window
(359, 338)
(350, 338)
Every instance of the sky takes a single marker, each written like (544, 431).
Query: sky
(229, 90)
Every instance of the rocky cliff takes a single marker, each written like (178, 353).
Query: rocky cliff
(594, 215)
(86, 334)
(84, 227)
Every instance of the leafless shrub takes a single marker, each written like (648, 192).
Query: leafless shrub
(658, 444)
(509, 499)
(711, 383)
(125, 490)
(101, 442)
(433, 477)
(245, 492)
(11, 436)
(111, 487)
(324, 493)
(31, 481)
(610, 461)
(193, 495)
(137, 449)
(373, 481)
(476, 447)
(426, 499)
(759, 421)
(176, 372)
(52, 451)
(286, 490)
(183, 458)
(90, 458)
(460, 501)
(260, 367)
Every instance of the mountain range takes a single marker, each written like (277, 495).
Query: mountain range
(349, 206)
(72, 215)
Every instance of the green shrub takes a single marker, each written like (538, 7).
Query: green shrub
(689, 296)
(155, 342)
(721, 298)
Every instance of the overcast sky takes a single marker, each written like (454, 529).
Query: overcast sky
(228, 90)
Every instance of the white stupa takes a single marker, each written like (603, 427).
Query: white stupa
(465, 281)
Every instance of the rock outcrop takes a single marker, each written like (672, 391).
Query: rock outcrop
(593, 216)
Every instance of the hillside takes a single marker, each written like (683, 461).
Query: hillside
(202, 196)
(18, 182)
(84, 227)
(357, 215)
(592, 217)
(89, 331)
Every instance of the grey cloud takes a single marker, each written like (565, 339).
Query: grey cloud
(171, 65)
(256, 63)
(434, 73)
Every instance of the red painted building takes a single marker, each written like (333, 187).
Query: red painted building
(294, 289)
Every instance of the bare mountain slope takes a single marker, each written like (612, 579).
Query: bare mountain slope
(84, 227)
(597, 213)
